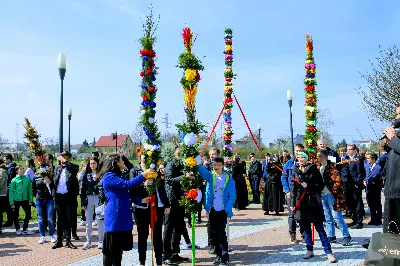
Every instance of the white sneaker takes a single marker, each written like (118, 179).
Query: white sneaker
(87, 245)
(100, 245)
(53, 239)
(82, 223)
(42, 240)
(27, 232)
(94, 223)
(18, 232)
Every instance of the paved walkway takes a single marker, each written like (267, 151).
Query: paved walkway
(255, 239)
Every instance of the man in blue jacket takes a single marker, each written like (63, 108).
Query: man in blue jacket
(286, 180)
(218, 202)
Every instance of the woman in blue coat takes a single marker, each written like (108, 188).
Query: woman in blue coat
(118, 223)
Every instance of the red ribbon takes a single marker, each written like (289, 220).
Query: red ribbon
(153, 210)
(212, 132)
(247, 124)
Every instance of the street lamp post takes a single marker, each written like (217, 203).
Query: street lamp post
(259, 135)
(62, 68)
(290, 102)
(69, 128)
(116, 141)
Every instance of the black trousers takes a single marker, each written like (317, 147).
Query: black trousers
(292, 224)
(348, 195)
(65, 208)
(184, 233)
(9, 211)
(3, 208)
(218, 220)
(357, 206)
(142, 220)
(374, 199)
(211, 237)
(173, 231)
(255, 189)
(27, 209)
(113, 259)
(391, 220)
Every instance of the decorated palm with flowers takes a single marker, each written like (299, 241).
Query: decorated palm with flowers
(36, 148)
(151, 155)
(311, 134)
(190, 131)
(228, 101)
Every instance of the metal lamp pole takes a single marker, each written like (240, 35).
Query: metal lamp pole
(69, 128)
(116, 141)
(290, 102)
(259, 135)
(62, 68)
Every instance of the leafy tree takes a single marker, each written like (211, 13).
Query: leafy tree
(381, 95)
(94, 142)
(325, 122)
(3, 144)
(343, 144)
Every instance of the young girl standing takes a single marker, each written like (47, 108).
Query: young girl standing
(306, 204)
(21, 196)
(90, 200)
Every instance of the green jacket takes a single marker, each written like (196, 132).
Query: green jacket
(21, 189)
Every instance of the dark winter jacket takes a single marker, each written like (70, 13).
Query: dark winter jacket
(173, 177)
(310, 209)
(41, 190)
(90, 187)
(392, 182)
(255, 170)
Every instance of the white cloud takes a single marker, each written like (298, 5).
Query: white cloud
(15, 80)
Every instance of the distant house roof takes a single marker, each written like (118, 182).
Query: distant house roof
(108, 141)
(243, 140)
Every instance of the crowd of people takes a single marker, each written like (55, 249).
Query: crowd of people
(114, 197)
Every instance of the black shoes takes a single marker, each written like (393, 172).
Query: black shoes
(178, 259)
(347, 241)
(75, 237)
(351, 224)
(377, 223)
(266, 213)
(211, 250)
(332, 239)
(8, 224)
(357, 226)
(57, 245)
(67, 245)
(217, 260)
(70, 245)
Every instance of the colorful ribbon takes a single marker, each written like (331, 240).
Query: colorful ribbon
(153, 211)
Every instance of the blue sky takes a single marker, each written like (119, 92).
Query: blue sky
(100, 39)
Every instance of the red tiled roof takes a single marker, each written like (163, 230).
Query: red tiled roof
(108, 141)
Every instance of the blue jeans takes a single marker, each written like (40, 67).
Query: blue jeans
(45, 208)
(330, 215)
(322, 236)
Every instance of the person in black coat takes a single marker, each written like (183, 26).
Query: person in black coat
(306, 203)
(141, 201)
(273, 189)
(333, 156)
(239, 175)
(353, 173)
(67, 190)
(255, 173)
(173, 222)
(392, 182)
